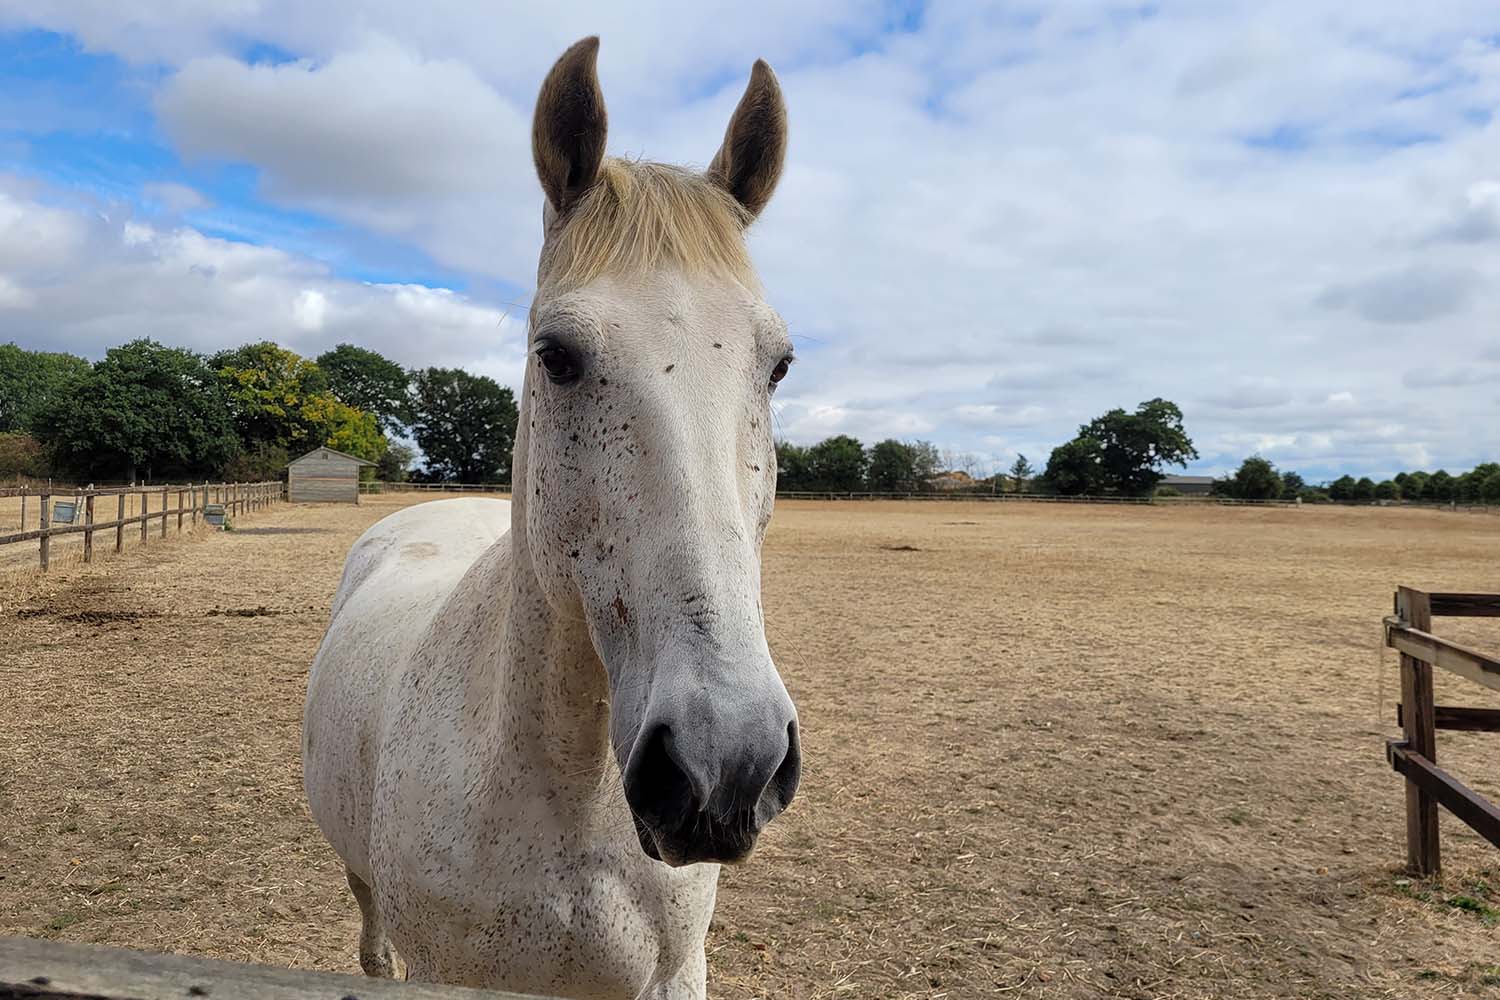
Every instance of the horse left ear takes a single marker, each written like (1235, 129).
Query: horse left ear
(748, 165)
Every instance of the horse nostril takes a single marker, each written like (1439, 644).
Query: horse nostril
(784, 782)
(658, 788)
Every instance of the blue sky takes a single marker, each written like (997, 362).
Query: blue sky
(997, 221)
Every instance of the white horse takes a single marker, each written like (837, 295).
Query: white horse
(534, 729)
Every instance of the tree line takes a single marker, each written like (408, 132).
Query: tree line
(149, 412)
(1258, 479)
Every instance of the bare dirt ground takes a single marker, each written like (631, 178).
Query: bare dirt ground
(1050, 752)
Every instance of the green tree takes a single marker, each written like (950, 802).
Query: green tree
(1076, 468)
(30, 380)
(1364, 489)
(792, 473)
(1341, 489)
(927, 463)
(395, 465)
(371, 382)
(465, 425)
(837, 464)
(1387, 489)
(1292, 485)
(144, 410)
(892, 467)
(1020, 474)
(269, 387)
(1440, 487)
(1133, 447)
(1415, 486)
(1490, 488)
(1256, 479)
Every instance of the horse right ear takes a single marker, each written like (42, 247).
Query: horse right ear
(569, 127)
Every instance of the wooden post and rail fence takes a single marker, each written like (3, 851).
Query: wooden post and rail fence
(1409, 630)
(70, 512)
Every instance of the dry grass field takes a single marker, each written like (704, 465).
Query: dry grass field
(1049, 751)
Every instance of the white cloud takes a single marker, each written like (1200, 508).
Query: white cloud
(993, 226)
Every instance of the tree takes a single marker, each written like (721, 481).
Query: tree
(395, 465)
(1440, 487)
(892, 467)
(792, 472)
(144, 409)
(837, 464)
(22, 455)
(1490, 488)
(1386, 489)
(926, 461)
(268, 388)
(30, 381)
(465, 425)
(1415, 486)
(1341, 489)
(1364, 490)
(1256, 479)
(371, 382)
(1020, 474)
(1133, 447)
(1076, 468)
(1292, 485)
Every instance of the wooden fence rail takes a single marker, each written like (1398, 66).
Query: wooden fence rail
(192, 500)
(31, 969)
(1428, 786)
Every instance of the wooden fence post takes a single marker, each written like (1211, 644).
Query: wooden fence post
(88, 529)
(120, 524)
(179, 512)
(140, 497)
(164, 512)
(46, 522)
(1423, 856)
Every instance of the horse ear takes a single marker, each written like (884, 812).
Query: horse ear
(748, 165)
(569, 126)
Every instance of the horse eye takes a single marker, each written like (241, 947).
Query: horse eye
(558, 363)
(779, 372)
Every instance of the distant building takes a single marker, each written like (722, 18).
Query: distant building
(324, 475)
(1189, 486)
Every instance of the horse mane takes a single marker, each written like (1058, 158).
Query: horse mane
(641, 215)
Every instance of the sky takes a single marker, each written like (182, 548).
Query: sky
(997, 221)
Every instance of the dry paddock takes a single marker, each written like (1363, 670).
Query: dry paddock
(1050, 752)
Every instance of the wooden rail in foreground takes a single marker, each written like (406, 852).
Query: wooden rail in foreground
(1428, 786)
(31, 969)
(193, 499)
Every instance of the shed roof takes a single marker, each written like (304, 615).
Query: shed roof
(353, 458)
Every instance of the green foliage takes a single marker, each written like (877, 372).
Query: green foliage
(1313, 495)
(30, 381)
(1341, 489)
(1136, 445)
(1490, 488)
(1364, 490)
(928, 463)
(1076, 468)
(1292, 485)
(1021, 474)
(465, 425)
(343, 428)
(1387, 490)
(268, 388)
(1256, 479)
(1167, 491)
(143, 410)
(259, 462)
(1123, 452)
(792, 470)
(371, 382)
(837, 464)
(1440, 487)
(395, 465)
(892, 467)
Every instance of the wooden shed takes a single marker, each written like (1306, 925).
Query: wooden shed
(324, 476)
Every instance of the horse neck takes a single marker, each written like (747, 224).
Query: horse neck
(553, 693)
